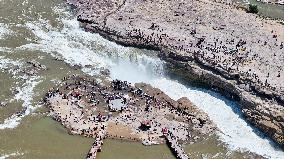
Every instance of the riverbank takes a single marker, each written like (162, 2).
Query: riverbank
(240, 55)
(49, 33)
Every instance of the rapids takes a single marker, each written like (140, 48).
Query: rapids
(71, 44)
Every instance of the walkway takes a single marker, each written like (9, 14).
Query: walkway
(175, 146)
(97, 145)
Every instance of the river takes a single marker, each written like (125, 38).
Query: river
(48, 32)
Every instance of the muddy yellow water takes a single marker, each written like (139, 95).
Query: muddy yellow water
(43, 138)
(122, 149)
(38, 136)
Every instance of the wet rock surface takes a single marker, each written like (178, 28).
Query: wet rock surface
(239, 54)
(3, 104)
(37, 65)
(33, 68)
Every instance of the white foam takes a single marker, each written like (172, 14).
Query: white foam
(246, 1)
(4, 30)
(5, 62)
(9, 65)
(24, 94)
(5, 49)
(234, 130)
(10, 155)
(61, 43)
(76, 46)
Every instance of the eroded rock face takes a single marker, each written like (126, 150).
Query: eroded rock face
(199, 120)
(237, 53)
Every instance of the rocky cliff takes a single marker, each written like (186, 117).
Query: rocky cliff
(209, 42)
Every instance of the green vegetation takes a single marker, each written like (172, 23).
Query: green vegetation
(252, 9)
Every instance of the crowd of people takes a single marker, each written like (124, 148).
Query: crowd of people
(231, 42)
(81, 105)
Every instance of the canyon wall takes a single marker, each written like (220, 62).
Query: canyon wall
(209, 42)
